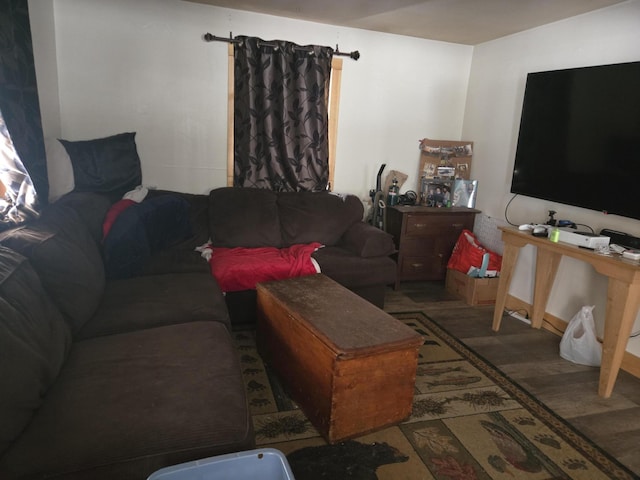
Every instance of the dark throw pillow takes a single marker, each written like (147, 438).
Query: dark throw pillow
(106, 165)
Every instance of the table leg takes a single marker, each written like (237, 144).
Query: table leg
(547, 263)
(509, 259)
(623, 300)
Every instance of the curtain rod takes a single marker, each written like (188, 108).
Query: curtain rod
(213, 38)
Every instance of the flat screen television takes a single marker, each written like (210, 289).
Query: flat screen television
(579, 138)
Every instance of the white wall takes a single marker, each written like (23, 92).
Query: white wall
(492, 116)
(143, 66)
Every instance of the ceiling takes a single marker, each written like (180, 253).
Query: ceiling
(467, 22)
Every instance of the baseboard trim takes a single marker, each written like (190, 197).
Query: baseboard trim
(630, 362)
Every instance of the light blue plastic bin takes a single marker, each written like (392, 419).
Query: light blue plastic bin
(264, 463)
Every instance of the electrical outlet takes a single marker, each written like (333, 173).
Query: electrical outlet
(522, 318)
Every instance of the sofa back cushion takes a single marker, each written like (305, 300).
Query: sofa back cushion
(90, 207)
(34, 342)
(67, 260)
(244, 217)
(323, 217)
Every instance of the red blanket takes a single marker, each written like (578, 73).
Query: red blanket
(241, 268)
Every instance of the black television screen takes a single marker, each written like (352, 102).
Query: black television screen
(579, 139)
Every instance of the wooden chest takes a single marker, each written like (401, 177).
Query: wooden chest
(350, 366)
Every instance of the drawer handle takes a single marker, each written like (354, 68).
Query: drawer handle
(419, 225)
(416, 265)
(457, 225)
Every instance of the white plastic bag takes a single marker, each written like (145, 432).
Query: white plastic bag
(579, 343)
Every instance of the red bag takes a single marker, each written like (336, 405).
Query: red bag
(468, 252)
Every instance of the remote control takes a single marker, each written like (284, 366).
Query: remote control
(531, 226)
(614, 247)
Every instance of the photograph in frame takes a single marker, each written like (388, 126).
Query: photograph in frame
(464, 193)
(436, 192)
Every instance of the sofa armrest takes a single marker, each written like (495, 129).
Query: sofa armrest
(366, 240)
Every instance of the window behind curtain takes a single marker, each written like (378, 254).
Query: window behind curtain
(18, 199)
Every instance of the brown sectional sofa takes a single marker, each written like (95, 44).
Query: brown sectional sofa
(104, 377)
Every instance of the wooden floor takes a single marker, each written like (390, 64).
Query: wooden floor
(530, 357)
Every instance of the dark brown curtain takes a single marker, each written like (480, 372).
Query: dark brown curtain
(281, 115)
(23, 169)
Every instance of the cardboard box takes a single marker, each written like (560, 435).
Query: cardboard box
(474, 291)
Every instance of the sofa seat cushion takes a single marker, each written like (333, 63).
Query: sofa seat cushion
(244, 217)
(323, 217)
(353, 271)
(34, 341)
(175, 260)
(125, 405)
(157, 300)
(366, 240)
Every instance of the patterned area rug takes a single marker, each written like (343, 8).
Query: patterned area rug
(469, 421)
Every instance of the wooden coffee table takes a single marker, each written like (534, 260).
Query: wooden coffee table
(349, 366)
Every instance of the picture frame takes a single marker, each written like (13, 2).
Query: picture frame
(436, 192)
(453, 154)
(464, 193)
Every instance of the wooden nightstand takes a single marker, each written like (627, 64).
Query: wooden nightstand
(424, 237)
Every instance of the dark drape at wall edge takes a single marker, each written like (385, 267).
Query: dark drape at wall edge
(20, 108)
(281, 115)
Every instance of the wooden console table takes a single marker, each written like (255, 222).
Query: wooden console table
(623, 295)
